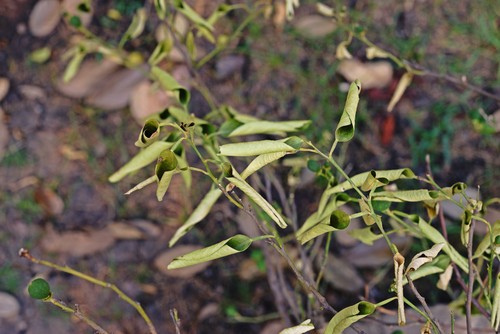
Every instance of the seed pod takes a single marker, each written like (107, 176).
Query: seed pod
(167, 161)
(339, 219)
(39, 289)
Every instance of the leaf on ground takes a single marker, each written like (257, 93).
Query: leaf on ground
(77, 243)
(124, 231)
(44, 17)
(403, 83)
(88, 79)
(146, 100)
(372, 75)
(49, 201)
(347, 279)
(116, 89)
(4, 133)
(147, 227)
(4, 87)
(164, 259)
(32, 92)
(314, 26)
(9, 307)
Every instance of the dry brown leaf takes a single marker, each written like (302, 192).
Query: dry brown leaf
(273, 327)
(146, 227)
(315, 26)
(4, 87)
(49, 201)
(115, 91)
(4, 133)
(88, 78)
(71, 7)
(279, 16)
(208, 311)
(9, 307)
(44, 17)
(32, 92)
(163, 260)
(77, 243)
(71, 153)
(372, 75)
(124, 231)
(147, 99)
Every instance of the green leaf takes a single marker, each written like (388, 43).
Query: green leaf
(165, 168)
(190, 45)
(239, 182)
(315, 231)
(198, 214)
(41, 55)
(261, 161)
(74, 64)
(403, 83)
(267, 127)
(236, 244)
(149, 133)
(169, 83)
(39, 289)
(485, 244)
(345, 128)
(436, 266)
(436, 237)
(142, 159)
(143, 184)
(161, 50)
(161, 8)
(373, 182)
(303, 327)
(348, 316)
(136, 27)
(192, 15)
(418, 195)
(252, 148)
(365, 235)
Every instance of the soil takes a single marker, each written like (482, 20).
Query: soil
(60, 152)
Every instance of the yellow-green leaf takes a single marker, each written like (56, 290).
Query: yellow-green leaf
(169, 83)
(198, 214)
(236, 244)
(404, 82)
(261, 161)
(348, 316)
(303, 327)
(191, 14)
(142, 184)
(136, 26)
(345, 128)
(149, 133)
(267, 127)
(252, 148)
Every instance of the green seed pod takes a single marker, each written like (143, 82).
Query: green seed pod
(227, 169)
(339, 219)
(167, 161)
(39, 289)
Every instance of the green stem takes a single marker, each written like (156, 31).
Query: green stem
(77, 314)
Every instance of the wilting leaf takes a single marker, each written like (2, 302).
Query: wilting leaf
(169, 83)
(365, 235)
(345, 128)
(267, 127)
(399, 262)
(149, 133)
(374, 52)
(261, 161)
(304, 327)
(136, 27)
(372, 181)
(348, 316)
(161, 8)
(74, 65)
(404, 82)
(418, 195)
(192, 15)
(142, 159)
(236, 244)
(164, 170)
(198, 214)
(424, 257)
(371, 74)
(341, 52)
(256, 148)
(495, 312)
(247, 189)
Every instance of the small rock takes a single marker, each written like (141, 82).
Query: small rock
(372, 74)
(315, 26)
(9, 307)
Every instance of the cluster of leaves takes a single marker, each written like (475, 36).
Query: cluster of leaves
(218, 140)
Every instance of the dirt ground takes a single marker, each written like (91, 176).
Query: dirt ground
(55, 198)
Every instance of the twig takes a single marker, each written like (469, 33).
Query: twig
(424, 304)
(470, 285)
(76, 312)
(175, 318)
(26, 254)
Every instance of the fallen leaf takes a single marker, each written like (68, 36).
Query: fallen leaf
(44, 17)
(77, 243)
(124, 231)
(32, 92)
(315, 26)
(91, 74)
(4, 133)
(163, 260)
(71, 153)
(147, 99)
(347, 279)
(71, 7)
(228, 65)
(208, 311)
(49, 201)
(272, 327)
(372, 75)
(4, 87)
(146, 227)
(115, 91)
(9, 307)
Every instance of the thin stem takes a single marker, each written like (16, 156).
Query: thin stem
(26, 254)
(76, 312)
(470, 285)
(424, 304)
(325, 258)
(334, 145)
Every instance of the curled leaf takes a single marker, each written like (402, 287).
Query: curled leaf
(345, 128)
(348, 316)
(399, 262)
(404, 82)
(165, 166)
(236, 244)
(149, 133)
(169, 83)
(424, 257)
(252, 148)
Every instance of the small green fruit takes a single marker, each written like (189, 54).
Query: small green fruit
(39, 289)
(339, 219)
